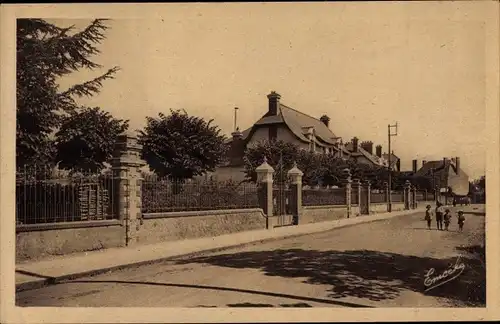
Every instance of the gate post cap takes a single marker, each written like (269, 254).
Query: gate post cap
(295, 171)
(264, 167)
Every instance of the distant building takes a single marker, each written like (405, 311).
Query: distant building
(363, 153)
(284, 123)
(395, 161)
(445, 173)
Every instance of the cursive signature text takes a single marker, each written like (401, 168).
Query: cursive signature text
(432, 281)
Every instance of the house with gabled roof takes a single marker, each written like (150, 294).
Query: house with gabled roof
(395, 161)
(281, 122)
(363, 153)
(446, 173)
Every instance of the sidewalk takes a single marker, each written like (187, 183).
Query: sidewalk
(33, 275)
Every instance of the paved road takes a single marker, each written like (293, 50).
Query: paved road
(379, 264)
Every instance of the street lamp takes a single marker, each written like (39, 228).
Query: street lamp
(392, 130)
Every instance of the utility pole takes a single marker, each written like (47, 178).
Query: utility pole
(392, 130)
(235, 118)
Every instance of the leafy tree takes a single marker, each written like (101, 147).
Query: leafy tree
(482, 183)
(279, 154)
(318, 169)
(181, 146)
(86, 139)
(45, 53)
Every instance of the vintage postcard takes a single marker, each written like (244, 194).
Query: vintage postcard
(250, 162)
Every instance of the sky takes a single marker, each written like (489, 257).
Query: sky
(422, 67)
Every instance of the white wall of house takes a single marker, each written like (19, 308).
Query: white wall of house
(458, 182)
(283, 134)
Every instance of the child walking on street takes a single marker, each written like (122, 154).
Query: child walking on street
(461, 220)
(428, 216)
(447, 219)
(439, 215)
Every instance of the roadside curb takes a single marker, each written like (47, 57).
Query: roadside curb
(46, 281)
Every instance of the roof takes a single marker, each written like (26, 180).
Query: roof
(440, 173)
(437, 166)
(298, 123)
(296, 120)
(362, 152)
(394, 158)
(244, 134)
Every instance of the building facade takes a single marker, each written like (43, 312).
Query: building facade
(284, 123)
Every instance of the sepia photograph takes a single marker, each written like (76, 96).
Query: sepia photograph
(298, 156)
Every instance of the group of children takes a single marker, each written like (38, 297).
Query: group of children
(443, 215)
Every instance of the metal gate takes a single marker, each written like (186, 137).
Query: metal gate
(281, 198)
(363, 201)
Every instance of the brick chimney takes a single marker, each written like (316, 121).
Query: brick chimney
(423, 162)
(355, 141)
(367, 146)
(414, 166)
(237, 135)
(325, 120)
(378, 150)
(274, 102)
(236, 148)
(457, 163)
(398, 165)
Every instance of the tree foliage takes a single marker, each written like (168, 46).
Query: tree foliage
(45, 53)
(181, 146)
(279, 154)
(318, 169)
(86, 139)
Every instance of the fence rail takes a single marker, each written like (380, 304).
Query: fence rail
(45, 197)
(354, 197)
(167, 195)
(397, 197)
(378, 197)
(420, 196)
(322, 197)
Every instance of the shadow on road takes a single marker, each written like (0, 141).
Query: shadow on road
(363, 273)
(261, 305)
(206, 287)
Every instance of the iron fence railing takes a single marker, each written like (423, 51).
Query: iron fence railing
(377, 197)
(397, 196)
(420, 195)
(322, 197)
(44, 196)
(354, 197)
(169, 195)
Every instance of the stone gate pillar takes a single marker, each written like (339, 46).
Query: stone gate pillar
(347, 182)
(295, 176)
(356, 187)
(414, 196)
(368, 196)
(127, 195)
(406, 195)
(386, 194)
(265, 189)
